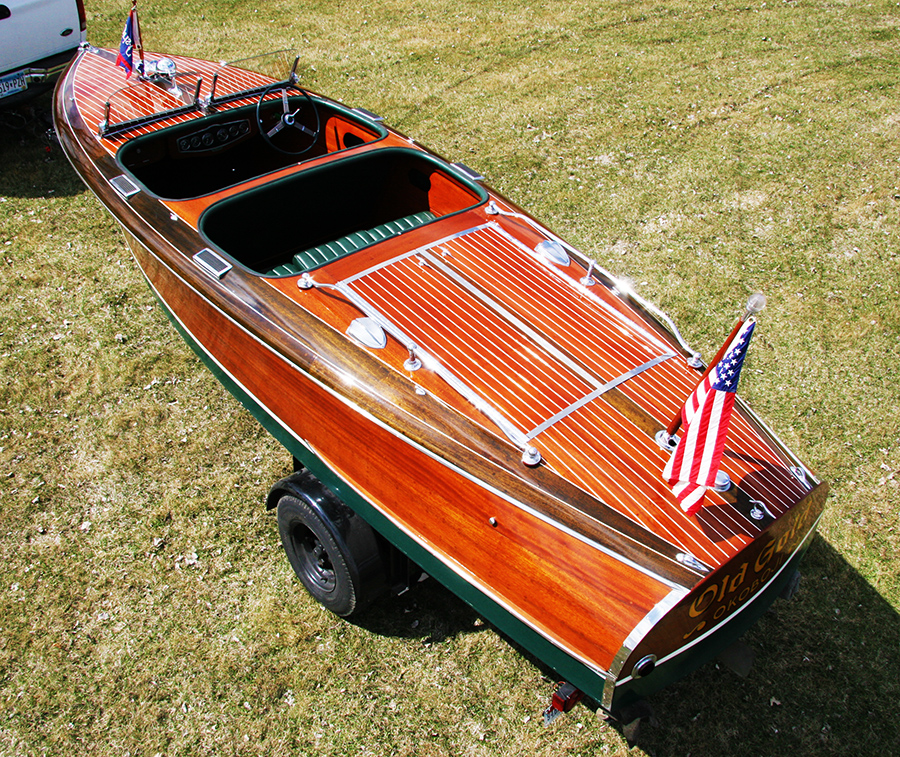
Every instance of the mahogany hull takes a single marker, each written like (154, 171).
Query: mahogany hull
(578, 560)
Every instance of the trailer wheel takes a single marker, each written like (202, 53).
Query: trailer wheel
(324, 566)
(337, 556)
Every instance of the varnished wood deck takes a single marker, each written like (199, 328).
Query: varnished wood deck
(463, 321)
(454, 300)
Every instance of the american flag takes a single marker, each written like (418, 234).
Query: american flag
(706, 416)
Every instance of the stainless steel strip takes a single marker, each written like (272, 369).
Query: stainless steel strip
(515, 435)
(411, 253)
(596, 393)
(513, 319)
(591, 264)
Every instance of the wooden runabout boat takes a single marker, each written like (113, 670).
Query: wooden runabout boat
(465, 393)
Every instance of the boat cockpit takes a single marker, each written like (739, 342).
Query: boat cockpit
(311, 217)
(241, 127)
(281, 128)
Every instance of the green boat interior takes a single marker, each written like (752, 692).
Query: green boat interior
(312, 217)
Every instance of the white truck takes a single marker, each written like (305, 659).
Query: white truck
(38, 38)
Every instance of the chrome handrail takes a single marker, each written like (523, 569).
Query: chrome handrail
(426, 359)
(622, 286)
(420, 357)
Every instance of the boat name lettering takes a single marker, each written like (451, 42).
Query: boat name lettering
(729, 592)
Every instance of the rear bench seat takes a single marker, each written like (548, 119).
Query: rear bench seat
(325, 253)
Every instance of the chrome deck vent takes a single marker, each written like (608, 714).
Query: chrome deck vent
(211, 262)
(367, 332)
(124, 186)
(552, 251)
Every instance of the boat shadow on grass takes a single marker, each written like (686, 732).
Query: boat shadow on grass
(825, 679)
(427, 611)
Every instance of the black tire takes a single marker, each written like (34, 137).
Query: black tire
(333, 551)
(322, 564)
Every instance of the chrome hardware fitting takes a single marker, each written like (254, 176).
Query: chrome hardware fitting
(799, 472)
(588, 280)
(375, 118)
(644, 666)
(691, 562)
(306, 282)
(531, 456)
(723, 482)
(553, 251)
(469, 173)
(412, 363)
(759, 510)
(668, 443)
(367, 332)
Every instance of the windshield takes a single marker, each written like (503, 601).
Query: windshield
(242, 77)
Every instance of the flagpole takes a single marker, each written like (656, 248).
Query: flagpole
(138, 40)
(756, 303)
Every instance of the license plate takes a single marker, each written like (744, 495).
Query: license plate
(13, 83)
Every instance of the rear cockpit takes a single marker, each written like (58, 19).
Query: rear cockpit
(316, 215)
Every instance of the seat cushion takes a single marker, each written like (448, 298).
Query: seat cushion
(337, 248)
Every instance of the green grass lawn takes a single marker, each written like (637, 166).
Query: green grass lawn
(704, 150)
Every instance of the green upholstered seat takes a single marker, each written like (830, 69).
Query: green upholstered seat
(284, 270)
(325, 253)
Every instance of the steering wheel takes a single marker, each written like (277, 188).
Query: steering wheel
(288, 119)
